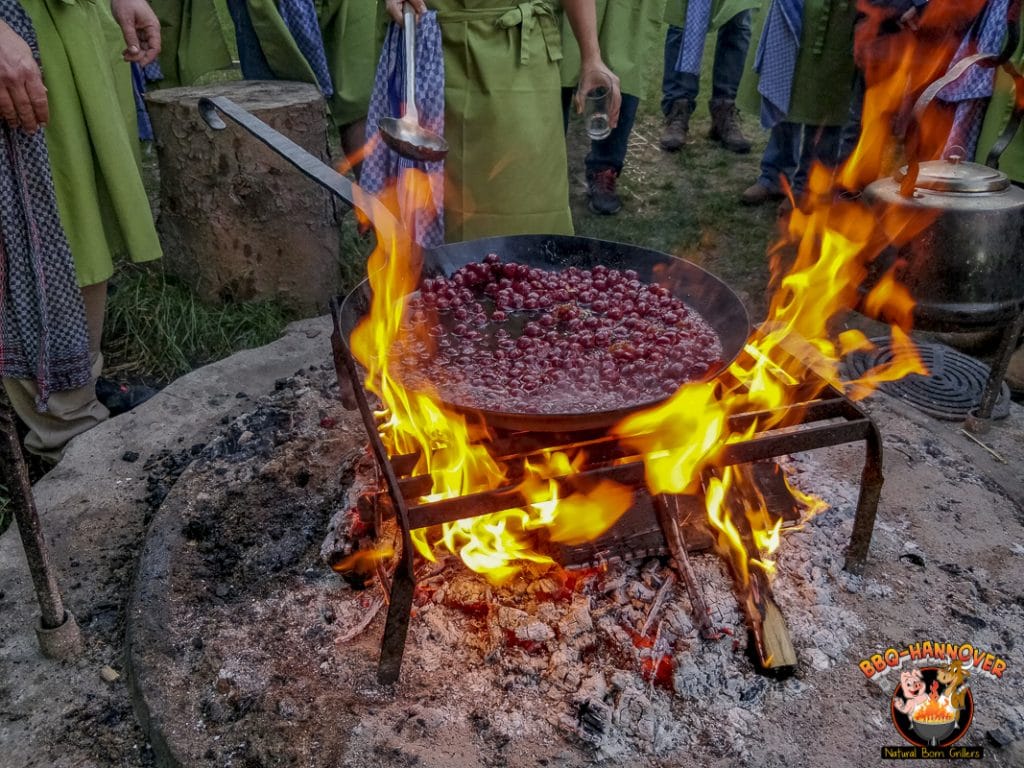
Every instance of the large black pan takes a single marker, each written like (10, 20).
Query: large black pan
(699, 289)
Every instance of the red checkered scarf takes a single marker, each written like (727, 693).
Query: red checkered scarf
(43, 335)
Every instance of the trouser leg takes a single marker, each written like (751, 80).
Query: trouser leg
(781, 156)
(611, 151)
(676, 85)
(250, 55)
(820, 145)
(850, 133)
(69, 413)
(730, 56)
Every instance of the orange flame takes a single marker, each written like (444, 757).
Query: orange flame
(935, 710)
(829, 245)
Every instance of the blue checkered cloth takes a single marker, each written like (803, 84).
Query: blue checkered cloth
(775, 59)
(43, 336)
(301, 19)
(141, 114)
(695, 34)
(383, 167)
(976, 84)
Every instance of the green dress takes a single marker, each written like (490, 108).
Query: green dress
(628, 32)
(721, 11)
(92, 136)
(192, 41)
(506, 171)
(996, 118)
(350, 42)
(824, 69)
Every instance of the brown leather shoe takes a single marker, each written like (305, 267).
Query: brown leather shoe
(725, 127)
(677, 126)
(758, 194)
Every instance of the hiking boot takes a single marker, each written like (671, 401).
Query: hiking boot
(677, 126)
(725, 127)
(758, 194)
(601, 189)
(121, 398)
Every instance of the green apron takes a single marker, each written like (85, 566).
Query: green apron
(506, 171)
(92, 137)
(824, 68)
(192, 41)
(996, 118)
(721, 11)
(350, 44)
(629, 31)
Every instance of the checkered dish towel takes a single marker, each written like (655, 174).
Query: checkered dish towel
(301, 19)
(695, 34)
(775, 60)
(43, 335)
(976, 84)
(383, 166)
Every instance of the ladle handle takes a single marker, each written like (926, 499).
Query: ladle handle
(380, 217)
(409, 20)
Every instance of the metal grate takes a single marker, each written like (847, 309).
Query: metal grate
(952, 389)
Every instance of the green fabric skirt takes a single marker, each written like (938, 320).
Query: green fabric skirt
(92, 136)
(192, 41)
(824, 69)
(350, 43)
(506, 171)
(629, 32)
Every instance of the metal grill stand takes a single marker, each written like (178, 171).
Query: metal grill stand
(825, 420)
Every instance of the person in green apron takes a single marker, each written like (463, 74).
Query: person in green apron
(807, 129)
(268, 50)
(506, 170)
(95, 161)
(628, 32)
(679, 90)
(1011, 162)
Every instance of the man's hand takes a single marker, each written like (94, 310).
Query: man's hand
(394, 8)
(22, 93)
(594, 75)
(141, 30)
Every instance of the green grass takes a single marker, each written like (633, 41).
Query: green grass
(157, 329)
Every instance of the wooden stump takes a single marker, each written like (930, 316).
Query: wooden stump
(237, 222)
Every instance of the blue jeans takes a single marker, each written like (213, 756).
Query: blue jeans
(611, 151)
(792, 150)
(250, 55)
(730, 55)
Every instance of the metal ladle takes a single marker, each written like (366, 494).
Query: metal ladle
(405, 135)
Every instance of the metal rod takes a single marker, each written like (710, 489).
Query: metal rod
(57, 633)
(871, 481)
(1007, 346)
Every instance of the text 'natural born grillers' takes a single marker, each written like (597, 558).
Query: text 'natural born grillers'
(508, 337)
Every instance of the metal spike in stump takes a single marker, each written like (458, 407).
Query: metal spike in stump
(57, 631)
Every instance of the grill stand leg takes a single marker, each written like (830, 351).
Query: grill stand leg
(1007, 346)
(57, 631)
(867, 503)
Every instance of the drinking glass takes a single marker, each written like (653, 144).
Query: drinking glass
(595, 109)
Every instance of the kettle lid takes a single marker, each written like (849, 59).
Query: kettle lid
(956, 175)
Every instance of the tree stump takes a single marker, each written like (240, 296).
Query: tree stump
(237, 222)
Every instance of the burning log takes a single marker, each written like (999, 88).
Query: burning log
(667, 509)
(771, 646)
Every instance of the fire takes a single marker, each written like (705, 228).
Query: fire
(935, 710)
(819, 265)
